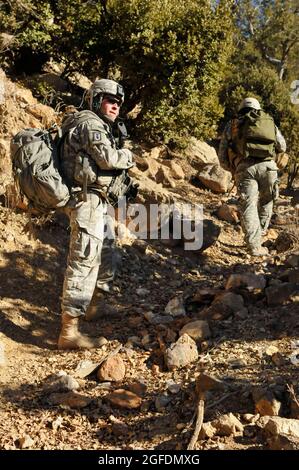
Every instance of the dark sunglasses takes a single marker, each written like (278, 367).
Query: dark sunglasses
(112, 100)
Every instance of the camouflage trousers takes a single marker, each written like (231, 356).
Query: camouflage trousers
(257, 184)
(92, 258)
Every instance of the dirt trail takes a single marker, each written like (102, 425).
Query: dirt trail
(31, 275)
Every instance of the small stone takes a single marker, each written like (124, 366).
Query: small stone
(133, 340)
(214, 177)
(294, 357)
(205, 382)
(223, 306)
(249, 431)
(227, 425)
(204, 346)
(146, 339)
(161, 402)
(267, 406)
(145, 406)
(207, 431)
(70, 399)
(293, 276)
(278, 359)
(197, 330)
(141, 291)
(180, 426)
(105, 386)
(112, 369)
(229, 213)
(181, 353)
(158, 319)
(124, 399)
(283, 442)
(237, 363)
(119, 429)
(293, 260)
(242, 314)
(85, 368)
(138, 387)
(173, 387)
(149, 316)
(175, 307)
(61, 382)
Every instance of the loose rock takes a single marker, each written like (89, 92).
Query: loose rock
(112, 369)
(181, 353)
(197, 330)
(124, 399)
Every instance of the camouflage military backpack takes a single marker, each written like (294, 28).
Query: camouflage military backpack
(256, 136)
(36, 169)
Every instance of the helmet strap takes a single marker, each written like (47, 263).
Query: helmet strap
(97, 102)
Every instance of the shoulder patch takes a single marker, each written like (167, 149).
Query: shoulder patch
(96, 136)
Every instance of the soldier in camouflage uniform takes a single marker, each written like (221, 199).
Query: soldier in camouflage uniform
(90, 156)
(256, 179)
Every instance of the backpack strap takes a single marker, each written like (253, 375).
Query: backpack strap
(72, 120)
(85, 169)
(233, 153)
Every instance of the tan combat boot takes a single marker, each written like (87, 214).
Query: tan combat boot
(71, 338)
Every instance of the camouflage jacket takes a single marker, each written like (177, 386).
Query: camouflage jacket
(90, 148)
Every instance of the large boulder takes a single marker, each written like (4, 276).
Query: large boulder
(199, 154)
(207, 232)
(215, 178)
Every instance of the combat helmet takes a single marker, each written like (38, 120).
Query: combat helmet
(99, 89)
(250, 103)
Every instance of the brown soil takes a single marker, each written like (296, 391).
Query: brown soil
(31, 276)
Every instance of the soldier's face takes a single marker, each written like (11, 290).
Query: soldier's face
(110, 107)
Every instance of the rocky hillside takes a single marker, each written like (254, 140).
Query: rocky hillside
(213, 323)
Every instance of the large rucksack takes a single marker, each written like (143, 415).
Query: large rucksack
(36, 169)
(256, 135)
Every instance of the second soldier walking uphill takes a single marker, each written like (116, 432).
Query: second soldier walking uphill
(247, 149)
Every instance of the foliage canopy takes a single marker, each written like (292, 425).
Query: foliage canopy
(169, 55)
(181, 63)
